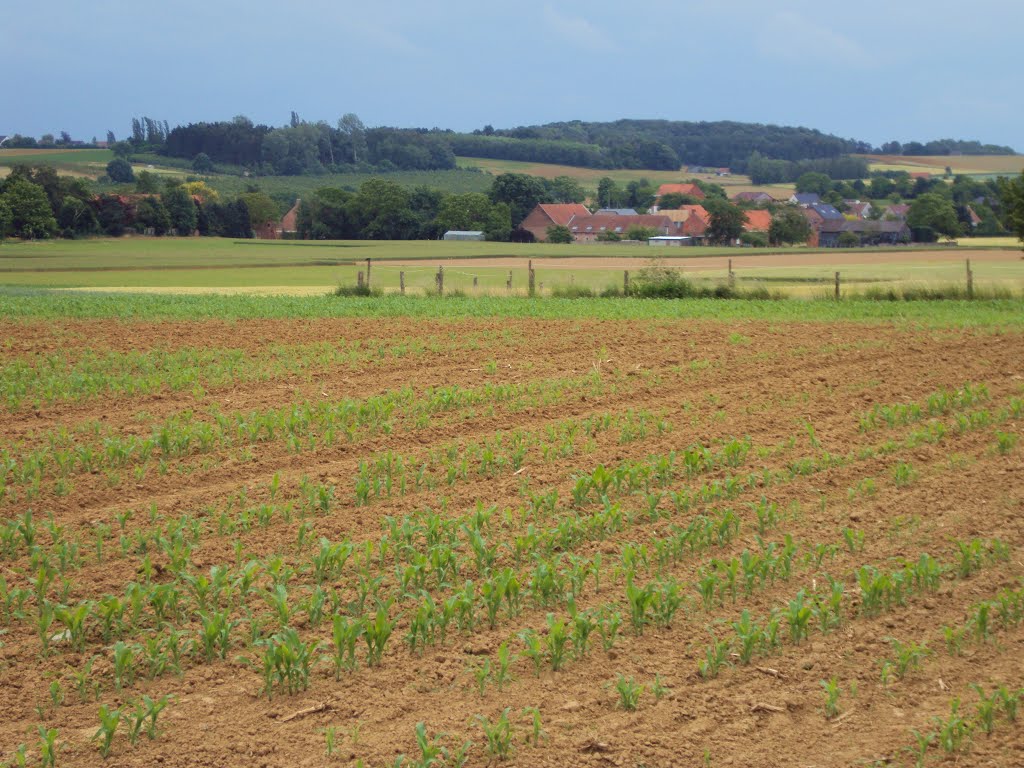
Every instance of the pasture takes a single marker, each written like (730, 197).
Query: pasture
(282, 531)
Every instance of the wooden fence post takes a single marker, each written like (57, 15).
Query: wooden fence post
(837, 286)
(359, 279)
(508, 285)
(401, 282)
(367, 272)
(625, 282)
(475, 281)
(440, 281)
(531, 284)
(732, 276)
(970, 281)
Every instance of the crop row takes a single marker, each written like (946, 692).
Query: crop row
(304, 427)
(61, 376)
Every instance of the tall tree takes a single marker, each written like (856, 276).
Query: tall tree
(726, 221)
(519, 191)
(181, 209)
(31, 214)
(789, 226)
(1011, 196)
(934, 212)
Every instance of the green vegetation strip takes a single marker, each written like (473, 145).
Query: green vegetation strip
(56, 304)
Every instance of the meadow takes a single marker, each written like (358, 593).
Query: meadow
(482, 530)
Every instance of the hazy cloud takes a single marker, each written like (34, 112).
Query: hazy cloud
(793, 37)
(576, 31)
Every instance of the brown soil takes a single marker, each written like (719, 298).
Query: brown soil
(712, 381)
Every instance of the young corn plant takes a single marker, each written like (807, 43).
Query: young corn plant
(908, 656)
(556, 642)
(109, 720)
(498, 735)
(376, 634)
(47, 747)
(629, 693)
(716, 656)
(831, 688)
(537, 732)
(287, 661)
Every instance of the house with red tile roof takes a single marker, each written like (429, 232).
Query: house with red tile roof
(680, 189)
(546, 215)
(758, 221)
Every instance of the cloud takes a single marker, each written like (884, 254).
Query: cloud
(792, 37)
(576, 31)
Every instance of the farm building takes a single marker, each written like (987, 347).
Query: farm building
(458, 234)
(546, 215)
(805, 198)
(691, 190)
(587, 229)
(671, 241)
(869, 232)
(618, 212)
(752, 197)
(758, 221)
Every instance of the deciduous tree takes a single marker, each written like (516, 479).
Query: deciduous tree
(31, 215)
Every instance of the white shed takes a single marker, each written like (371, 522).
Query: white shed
(455, 234)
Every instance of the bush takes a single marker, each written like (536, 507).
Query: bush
(754, 239)
(848, 240)
(356, 290)
(120, 171)
(572, 292)
(559, 234)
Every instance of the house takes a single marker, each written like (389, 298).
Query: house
(289, 222)
(619, 211)
(973, 217)
(546, 215)
(680, 189)
(857, 208)
(758, 220)
(896, 211)
(753, 197)
(586, 229)
(826, 212)
(869, 232)
(691, 220)
(671, 240)
(456, 234)
(805, 198)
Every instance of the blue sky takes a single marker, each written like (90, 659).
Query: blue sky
(872, 70)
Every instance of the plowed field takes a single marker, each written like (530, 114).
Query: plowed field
(569, 542)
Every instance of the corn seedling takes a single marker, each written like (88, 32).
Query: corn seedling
(47, 747)
(330, 734)
(953, 731)
(658, 688)
(431, 753)
(109, 720)
(536, 730)
(376, 634)
(498, 734)
(908, 656)
(831, 688)
(629, 692)
(715, 657)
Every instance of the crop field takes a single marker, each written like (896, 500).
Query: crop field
(241, 531)
(971, 165)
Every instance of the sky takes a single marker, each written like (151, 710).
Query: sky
(873, 70)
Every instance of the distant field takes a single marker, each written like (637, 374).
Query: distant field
(960, 164)
(589, 177)
(204, 265)
(55, 156)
